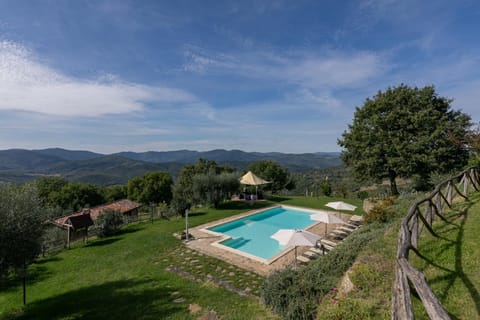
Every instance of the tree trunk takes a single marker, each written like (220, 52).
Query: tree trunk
(24, 283)
(393, 184)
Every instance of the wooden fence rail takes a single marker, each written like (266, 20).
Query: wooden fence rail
(420, 217)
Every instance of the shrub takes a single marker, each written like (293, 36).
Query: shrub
(380, 211)
(362, 195)
(346, 309)
(294, 294)
(326, 188)
(364, 275)
(109, 222)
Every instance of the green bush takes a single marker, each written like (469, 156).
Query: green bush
(109, 222)
(346, 309)
(380, 211)
(295, 294)
(362, 195)
(326, 188)
(364, 275)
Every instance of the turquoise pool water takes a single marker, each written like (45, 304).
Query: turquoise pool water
(251, 234)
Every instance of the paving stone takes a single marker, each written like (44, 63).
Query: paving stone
(180, 300)
(210, 315)
(194, 308)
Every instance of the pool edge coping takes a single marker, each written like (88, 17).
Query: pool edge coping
(223, 237)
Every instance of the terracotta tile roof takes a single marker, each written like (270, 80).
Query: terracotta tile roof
(123, 206)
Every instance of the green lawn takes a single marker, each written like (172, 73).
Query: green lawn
(451, 263)
(125, 276)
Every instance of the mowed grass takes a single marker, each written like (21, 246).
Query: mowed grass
(125, 276)
(451, 262)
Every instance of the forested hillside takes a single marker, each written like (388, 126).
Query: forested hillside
(18, 165)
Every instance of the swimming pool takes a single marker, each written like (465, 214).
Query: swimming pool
(251, 234)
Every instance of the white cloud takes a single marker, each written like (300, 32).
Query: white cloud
(27, 84)
(339, 70)
(327, 69)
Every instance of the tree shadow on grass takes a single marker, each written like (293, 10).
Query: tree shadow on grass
(197, 213)
(458, 273)
(278, 198)
(242, 205)
(13, 283)
(102, 242)
(48, 259)
(126, 299)
(130, 229)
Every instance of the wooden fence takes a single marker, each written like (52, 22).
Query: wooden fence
(420, 217)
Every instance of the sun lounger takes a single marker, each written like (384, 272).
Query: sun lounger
(351, 225)
(340, 232)
(319, 251)
(348, 230)
(310, 254)
(316, 250)
(328, 242)
(355, 219)
(303, 259)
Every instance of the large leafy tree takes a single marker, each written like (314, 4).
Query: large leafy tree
(271, 171)
(21, 228)
(76, 195)
(152, 187)
(48, 189)
(405, 132)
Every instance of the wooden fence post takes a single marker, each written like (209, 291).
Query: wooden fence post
(406, 276)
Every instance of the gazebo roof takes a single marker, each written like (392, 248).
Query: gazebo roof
(251, 179)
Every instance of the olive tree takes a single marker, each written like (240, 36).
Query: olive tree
(211, 189)
(405, 132)
(183, 191)
(22, 216)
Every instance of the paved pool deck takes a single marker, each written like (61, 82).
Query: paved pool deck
(204, 242)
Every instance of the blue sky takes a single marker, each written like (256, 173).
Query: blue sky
(283, 76)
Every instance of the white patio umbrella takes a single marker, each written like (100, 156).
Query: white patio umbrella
(340, 205)
(327, 218)
(295, 237)
(251, 179)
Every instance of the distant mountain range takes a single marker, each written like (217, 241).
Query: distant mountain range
(19, 165)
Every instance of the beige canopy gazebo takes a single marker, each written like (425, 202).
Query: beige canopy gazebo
(251, 179)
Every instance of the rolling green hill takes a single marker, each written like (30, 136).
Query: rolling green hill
(18, 165)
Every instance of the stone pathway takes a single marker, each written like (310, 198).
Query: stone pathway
(198, 267)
